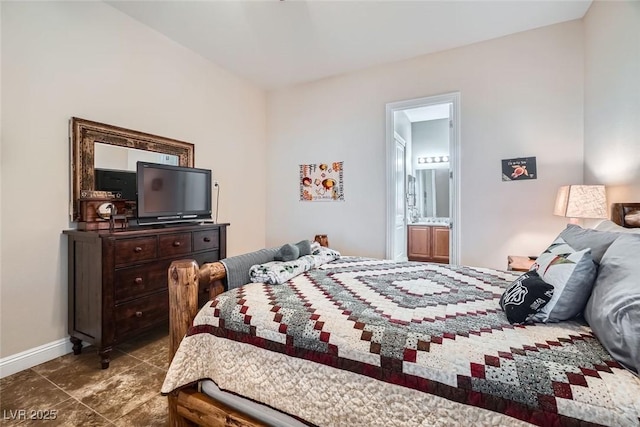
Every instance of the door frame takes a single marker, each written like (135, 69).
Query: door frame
(398, 139)
(452, 98)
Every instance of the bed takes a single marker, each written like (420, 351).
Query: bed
(360, 341)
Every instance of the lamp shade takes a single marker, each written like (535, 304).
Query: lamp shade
(581, 201)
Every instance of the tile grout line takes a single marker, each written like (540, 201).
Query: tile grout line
(96, 412)
(150, 398)
(141, 404)
(73, 398)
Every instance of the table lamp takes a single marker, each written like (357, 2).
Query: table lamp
(581, 201)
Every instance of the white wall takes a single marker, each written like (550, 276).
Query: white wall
(430, 138)
(521, 95)
(86, 59)
(612, 98)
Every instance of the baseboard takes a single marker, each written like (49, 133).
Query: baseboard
(29, 358)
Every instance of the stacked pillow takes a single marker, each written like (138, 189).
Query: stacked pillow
(278, 272)
(569, 275)
(594, 272)
(583, 238)
(613, 309)
(572, 273)
(290, 252)
(607, 225)
(528, 294)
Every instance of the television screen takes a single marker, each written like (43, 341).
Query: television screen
(169, 193)
(117, 181)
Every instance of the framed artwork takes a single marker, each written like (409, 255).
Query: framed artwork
(321, 182)
(519, 169)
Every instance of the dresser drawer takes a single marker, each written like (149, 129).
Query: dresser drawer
(133, 282)
(141, 313)
(204, 257)
(175, 244)
(203, 240)
(131, 251)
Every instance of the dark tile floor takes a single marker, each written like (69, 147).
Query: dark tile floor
(126, 394)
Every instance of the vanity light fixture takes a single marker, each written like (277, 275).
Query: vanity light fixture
(435, 159)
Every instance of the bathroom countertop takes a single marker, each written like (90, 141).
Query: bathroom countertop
(435, 222)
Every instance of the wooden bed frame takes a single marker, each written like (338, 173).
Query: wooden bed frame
(188, 406)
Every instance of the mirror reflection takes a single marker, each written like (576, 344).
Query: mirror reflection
(114, 157)
(432, 193)
(115, 167)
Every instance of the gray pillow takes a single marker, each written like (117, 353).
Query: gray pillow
(304, 246)
(582, 238)
(571, 273)
(238, 266)
(287, 252)
(613, 310)
(611, 226)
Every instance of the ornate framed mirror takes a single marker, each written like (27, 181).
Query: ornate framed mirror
(98, 146)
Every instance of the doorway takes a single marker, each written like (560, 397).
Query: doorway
(419, 183)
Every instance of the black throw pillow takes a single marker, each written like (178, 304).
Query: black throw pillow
(525, 297)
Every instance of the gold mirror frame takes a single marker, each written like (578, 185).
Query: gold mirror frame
(84, 135)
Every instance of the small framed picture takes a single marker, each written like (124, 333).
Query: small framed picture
(519, 169)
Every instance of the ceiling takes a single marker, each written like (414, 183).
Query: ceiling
(275, 44)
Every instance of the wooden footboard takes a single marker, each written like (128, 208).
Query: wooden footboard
(187, 406)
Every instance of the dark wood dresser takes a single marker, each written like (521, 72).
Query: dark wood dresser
(118, 280)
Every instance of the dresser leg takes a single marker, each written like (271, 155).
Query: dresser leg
(77, 345)
(104, 357)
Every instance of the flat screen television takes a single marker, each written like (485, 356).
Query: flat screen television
(168, 193)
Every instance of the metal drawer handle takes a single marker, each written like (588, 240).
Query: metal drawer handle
(207, 239)
(176, 244)
(138, 280)
(137, 249)
(138, 314)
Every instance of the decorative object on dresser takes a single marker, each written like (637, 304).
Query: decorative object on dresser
(118, 280)
(93, 145)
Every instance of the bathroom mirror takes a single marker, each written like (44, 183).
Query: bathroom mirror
(98, 145)
(432, 191)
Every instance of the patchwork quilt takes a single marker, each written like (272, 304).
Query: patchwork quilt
(371, 342)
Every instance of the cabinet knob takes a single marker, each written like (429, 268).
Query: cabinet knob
(138, 314)
(207, 239)
(137, 249)
(176, 244)
(138, 280)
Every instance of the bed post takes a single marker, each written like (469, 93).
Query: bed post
(183, 306)
(183, 300)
